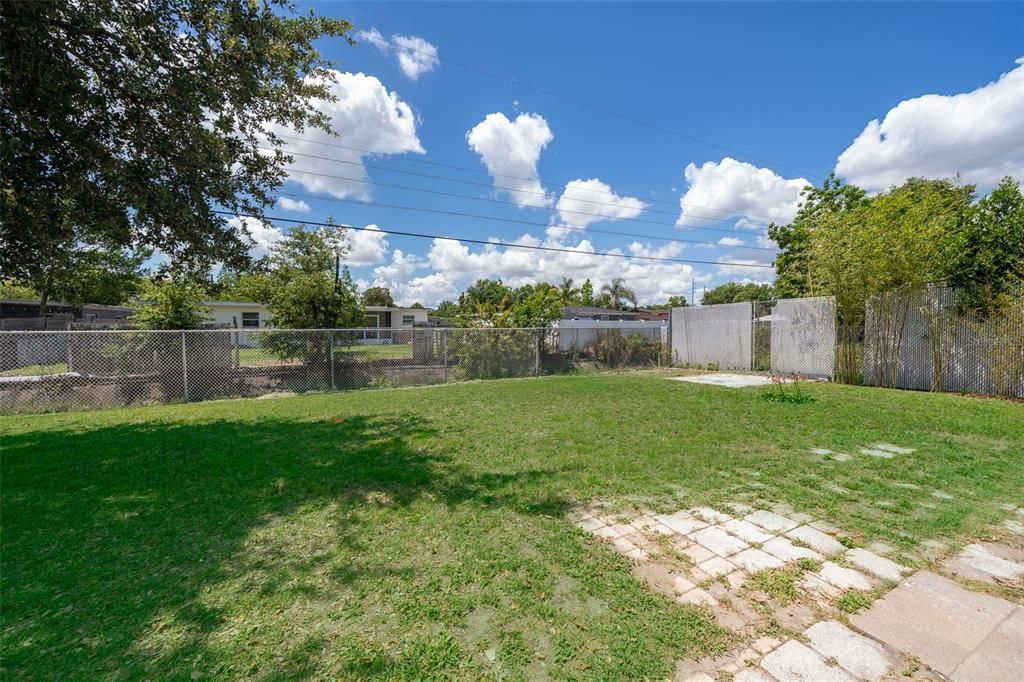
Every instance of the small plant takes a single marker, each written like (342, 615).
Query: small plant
(854, 601)
(779, 394)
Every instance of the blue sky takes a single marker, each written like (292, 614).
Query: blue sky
(780, 91)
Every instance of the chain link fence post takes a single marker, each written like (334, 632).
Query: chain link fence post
(184, 366)
(330, 342)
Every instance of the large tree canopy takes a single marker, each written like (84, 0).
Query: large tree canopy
(129, 123)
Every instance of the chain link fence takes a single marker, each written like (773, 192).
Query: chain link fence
(72, 370)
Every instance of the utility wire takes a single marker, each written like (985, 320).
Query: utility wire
(553, 186)
(484, 242)
(292, 169)
(511, 189)
(594, 107)
(581, 230)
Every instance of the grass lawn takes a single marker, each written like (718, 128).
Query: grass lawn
(36, 370)
(420, 533)
(257, 357)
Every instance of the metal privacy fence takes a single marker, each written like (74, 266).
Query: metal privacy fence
(923, 340)
(714, 335)
(785, 336)
(72, 370)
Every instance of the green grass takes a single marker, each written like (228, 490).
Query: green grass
(36, 370)
(257, 357)
(420, 533)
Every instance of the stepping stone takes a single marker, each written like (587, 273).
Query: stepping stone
(765, 644)
(623, 529)
(822, 542)
(752, 675)
(698, 554)
(720, 542)
(889, 447)
(843, 578)
(841, 457)
(934, 619)
(681, 585)
(697, 596)
(754, 560)
(771, 521)
(874, 452)
(815, 585)
(589, 523)
(709, 515)
(861, 656)
(794, 662)
(746, 531)
(784, 549)
(876, 565)
(717, 566)
(607, 532)
(623, 545)
(681, 522)
(1014, 527)
(983, 562)
(1000, 658)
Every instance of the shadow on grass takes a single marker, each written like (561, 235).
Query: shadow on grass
(113, 532)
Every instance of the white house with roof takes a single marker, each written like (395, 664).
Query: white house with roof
(251, 315)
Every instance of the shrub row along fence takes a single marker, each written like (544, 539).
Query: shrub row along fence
(911, 339)
(72, 370)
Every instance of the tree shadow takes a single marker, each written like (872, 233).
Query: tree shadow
(114, 532)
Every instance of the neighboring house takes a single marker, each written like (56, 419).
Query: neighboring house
(653, 315)
(23, 313)
(238, 314)
(385, 317)
(590, 313)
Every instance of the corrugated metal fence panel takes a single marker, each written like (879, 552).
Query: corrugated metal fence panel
(803, 336)
(713, 335)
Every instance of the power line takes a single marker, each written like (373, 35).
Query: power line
(401, 233)
(594, 107)
(553, 186)
(513, 189)
(292, 169)
(517, 221)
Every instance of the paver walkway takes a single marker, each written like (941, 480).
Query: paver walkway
(925, 627)
(727, 379)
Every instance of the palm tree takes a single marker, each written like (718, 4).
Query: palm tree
(567, 291)
(618, 291)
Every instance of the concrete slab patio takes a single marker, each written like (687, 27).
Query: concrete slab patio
(726, 379)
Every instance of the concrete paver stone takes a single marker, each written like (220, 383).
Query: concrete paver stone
(795, 662)
(981, 562)
(934, 619)
(720, 542)
(861, 656)
(822, 542)
(885, 569)
(784, 549)
(754, 559)
(843, 578)
(681, 522)
(717, 566)
(1000, 657)
(771, 521)
(752, 675)
(746, 531)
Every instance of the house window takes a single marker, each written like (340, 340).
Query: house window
(250, 319)
(408, 320)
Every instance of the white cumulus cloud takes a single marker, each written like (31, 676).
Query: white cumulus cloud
(366, 247)
(293, 205)
(415, 55)
(730, 241)
(511, 150)
(365, 116)
(720, 191)
(588, 201)
(979, 134)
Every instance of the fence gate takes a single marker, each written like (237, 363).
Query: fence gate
(713, 335)
(803, 337)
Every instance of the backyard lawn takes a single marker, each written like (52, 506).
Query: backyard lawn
(417, 533)
(257, 357)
